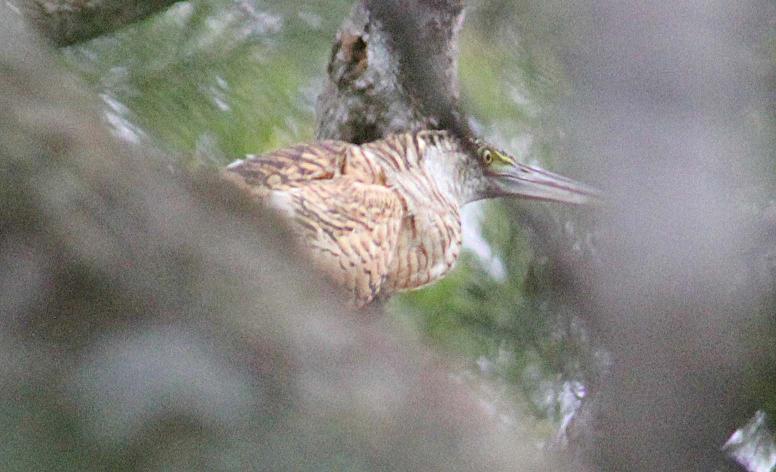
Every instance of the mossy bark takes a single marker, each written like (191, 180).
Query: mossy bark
(393, 69)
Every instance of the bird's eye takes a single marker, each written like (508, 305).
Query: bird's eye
(487, 157)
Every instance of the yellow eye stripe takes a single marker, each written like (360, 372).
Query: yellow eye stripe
(502, 158)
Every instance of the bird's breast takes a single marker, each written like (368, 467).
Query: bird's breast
(427, 250)
(429, 237)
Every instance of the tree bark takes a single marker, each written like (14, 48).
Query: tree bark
(393, 69)
(67, 22)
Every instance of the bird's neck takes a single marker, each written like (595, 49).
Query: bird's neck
(444, 161)
(436, 155)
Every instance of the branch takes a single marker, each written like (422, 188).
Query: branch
(67, 22)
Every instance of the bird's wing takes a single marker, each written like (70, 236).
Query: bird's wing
(288, 168)
(349, 227)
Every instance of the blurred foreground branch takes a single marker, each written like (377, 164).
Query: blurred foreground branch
(665, 102)
(66, 22)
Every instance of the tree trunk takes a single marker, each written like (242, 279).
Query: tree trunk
(393, 69)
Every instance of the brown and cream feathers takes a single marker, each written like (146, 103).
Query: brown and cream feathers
(374, 217)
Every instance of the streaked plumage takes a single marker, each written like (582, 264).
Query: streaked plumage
(382, 217)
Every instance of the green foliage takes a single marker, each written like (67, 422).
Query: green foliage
(217, 74)
(523, 335)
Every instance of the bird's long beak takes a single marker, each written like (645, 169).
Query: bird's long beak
(524, 181)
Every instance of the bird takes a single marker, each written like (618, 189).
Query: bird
(384, 217)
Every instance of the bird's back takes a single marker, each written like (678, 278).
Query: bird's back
(374, 224)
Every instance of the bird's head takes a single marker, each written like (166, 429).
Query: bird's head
(497, 174)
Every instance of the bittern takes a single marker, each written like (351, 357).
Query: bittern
(385, 216)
